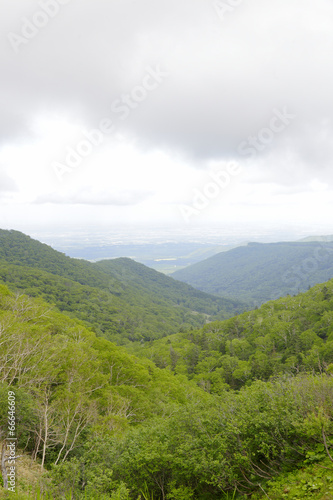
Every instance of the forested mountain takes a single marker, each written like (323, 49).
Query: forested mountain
(286, 336)
(142, 278)
(259, 272)
(239, 408)
(121, 299)
(104, 424)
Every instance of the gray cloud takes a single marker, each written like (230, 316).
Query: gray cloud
(226, 77)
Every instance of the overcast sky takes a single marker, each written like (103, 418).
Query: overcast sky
(179, 112)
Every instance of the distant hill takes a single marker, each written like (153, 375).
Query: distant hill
(121, 299)
(165, 257)
(262, 271)
(326, 239)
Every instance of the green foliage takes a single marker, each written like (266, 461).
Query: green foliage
(121, 299)
(259, 272)
(240, 441)
(312, 482)
(25, 413)
(288, 336)
(70, 385)
(241, 408)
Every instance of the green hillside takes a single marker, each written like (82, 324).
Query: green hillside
(142, 278)
(99, 423)
(116, 297)
(71, 386)
(262, 271)
(235, 409)
(288, 336)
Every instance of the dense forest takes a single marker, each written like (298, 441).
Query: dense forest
(229, 409)
(121, 299)
(260, 272)
(286, 336)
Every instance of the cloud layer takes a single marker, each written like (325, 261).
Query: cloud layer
(190, 80)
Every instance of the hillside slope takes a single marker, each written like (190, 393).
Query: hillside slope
(102, 423)
(122, 300)
(286, 336)
(69, 385)
(142, 278)
(262, 271)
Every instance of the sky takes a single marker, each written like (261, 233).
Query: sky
(184, 114)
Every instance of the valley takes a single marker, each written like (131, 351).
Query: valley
(130, 384)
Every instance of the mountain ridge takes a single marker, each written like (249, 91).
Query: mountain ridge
(190, 415)
(262, 271)
(117, 303)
